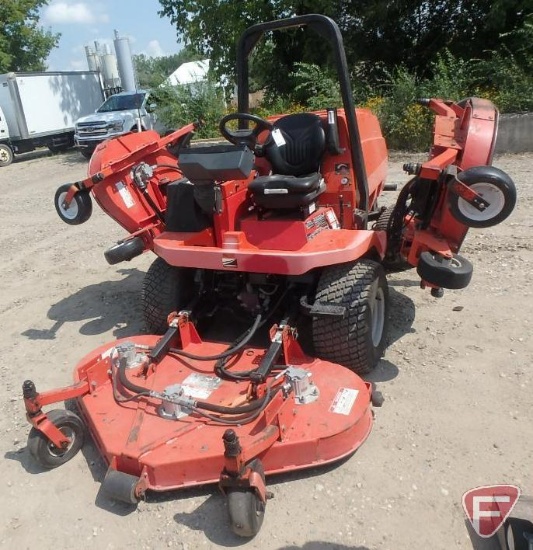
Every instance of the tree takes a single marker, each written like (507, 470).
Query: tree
(24, 46)
(212, 27)
(380, 34)
(413, 32)
(152, 71)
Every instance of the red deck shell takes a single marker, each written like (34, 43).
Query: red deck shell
(169, 454)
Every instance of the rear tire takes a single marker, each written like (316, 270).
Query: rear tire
(392, 261)
(358, 339)
(165, 289)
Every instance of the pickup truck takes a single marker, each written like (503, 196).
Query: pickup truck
(119, 114)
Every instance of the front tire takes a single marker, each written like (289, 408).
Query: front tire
(358, 339)
(165, 289)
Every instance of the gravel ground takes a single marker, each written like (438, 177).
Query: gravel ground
(457, 379)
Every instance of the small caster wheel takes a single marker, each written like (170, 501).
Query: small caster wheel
(454, 273)
(377, 398)
(437, 292)
(124, 251)
(45, 452)
(120, 486)
(493, 185)
(78, 211)
(246, 510)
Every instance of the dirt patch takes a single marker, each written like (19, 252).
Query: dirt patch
(457, 377)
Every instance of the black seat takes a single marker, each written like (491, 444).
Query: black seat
(294, 150)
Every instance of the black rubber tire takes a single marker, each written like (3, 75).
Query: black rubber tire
(79, 210)
(87, 153)
(514, 533)
(433, 269)
(392, 261)
(165, 289)
(497, 186)
(246, 511)
(47, 454)
(124, 251)
(6, 155)
(358, 339)
(120, 486)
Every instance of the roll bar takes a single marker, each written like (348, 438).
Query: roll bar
(328, 29)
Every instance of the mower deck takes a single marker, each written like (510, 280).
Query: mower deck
(174, 411)
(168, 454)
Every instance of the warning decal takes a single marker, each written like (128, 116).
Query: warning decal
(344, 400)
(125, 194)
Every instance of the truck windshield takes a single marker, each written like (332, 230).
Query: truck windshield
(122, 103)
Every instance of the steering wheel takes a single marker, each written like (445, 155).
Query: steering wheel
(245, 136)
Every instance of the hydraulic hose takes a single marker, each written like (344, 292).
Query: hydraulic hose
(127, 383)
(247, 336)
(140, 390)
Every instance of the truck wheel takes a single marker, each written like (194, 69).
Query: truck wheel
(59, 148)
(495, 186)
(6, 155)
(358, 339)
(87, 153)
(165, 289)
(455, 273)
(78, 211)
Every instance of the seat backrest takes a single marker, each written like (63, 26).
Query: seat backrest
(297, 144)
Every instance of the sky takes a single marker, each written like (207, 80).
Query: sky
(82, 22)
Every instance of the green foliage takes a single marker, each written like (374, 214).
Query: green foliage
(405, 124)
(505, 82)
(385, 33)
(152, 71)
(180, 105)
(315, 87)
(397, 51)
(24, 46)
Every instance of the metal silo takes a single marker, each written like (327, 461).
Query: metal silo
(125, 63)
(93, 59)
(110, 70)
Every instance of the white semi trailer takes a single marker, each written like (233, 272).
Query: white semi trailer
(40, 109)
